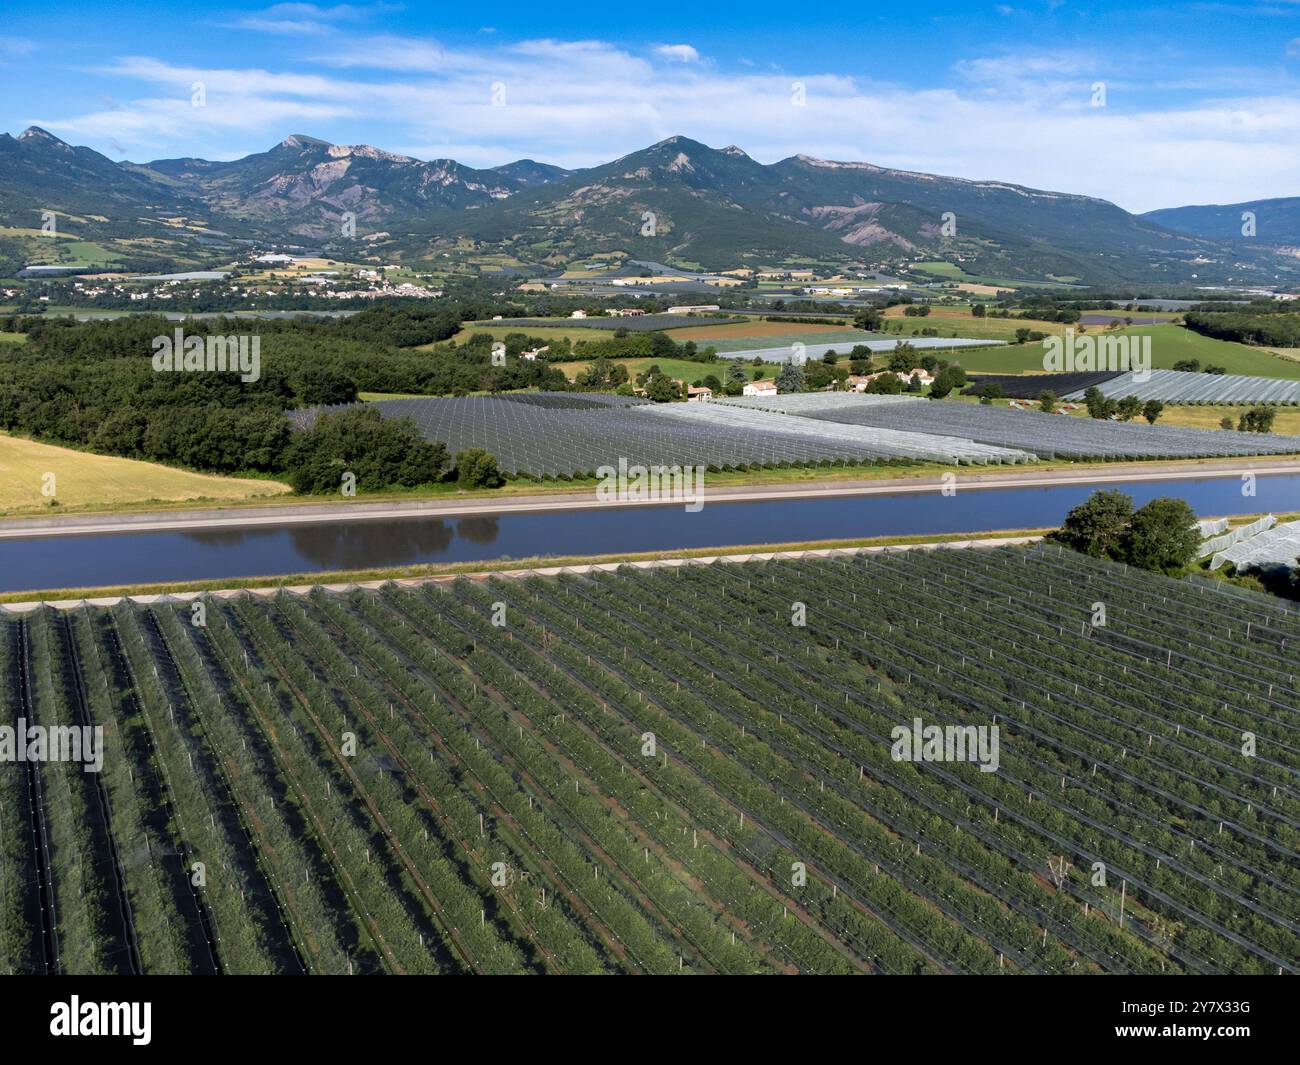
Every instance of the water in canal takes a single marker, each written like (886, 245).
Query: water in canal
(154, 557)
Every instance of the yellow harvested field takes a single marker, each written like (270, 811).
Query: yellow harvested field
(753, 329)
(1287, 421)
(96, 481)
(1284, 353)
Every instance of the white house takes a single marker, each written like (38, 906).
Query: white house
(578, 314)
(698, 395)
(532, 354)
(759, 388)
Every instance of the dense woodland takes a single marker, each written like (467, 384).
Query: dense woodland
(93, 385)
(1253, 326)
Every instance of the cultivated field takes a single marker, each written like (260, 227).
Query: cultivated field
(84, 480)
(1170, 344)
(654, 771)
(1287, 421)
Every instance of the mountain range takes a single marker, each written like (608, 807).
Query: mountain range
(677, 201)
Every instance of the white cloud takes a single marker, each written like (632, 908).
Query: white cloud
(16, 46)
(682, 53)
(300, 19)
(579, 103)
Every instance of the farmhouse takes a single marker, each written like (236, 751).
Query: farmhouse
(532, 353)
(859, 382)
(760, 388)
(698, 395)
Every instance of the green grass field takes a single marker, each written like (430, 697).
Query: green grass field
(1169, 344)
(957, 321)
(13, 338)
(952, 272)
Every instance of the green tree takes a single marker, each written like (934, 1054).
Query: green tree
(324, 386)
(380, 453)
(1129, 408)
(989, 393)
(1257, 420)
(660, 388)
(1047, 401)
(868, 319)
(790, 379)
(733, 381)
(1097, 526)
(1152, 410)
(1162, 536)
(903, 358)
(476, 468)
(1098, 405)
(943, 383)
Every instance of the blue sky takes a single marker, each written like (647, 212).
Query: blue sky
(1199, 102)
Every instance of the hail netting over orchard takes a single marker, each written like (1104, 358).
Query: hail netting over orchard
(1268, 548)
(1179, 386)
(577, 433)
(901, 443)
(654, 771)
(1054, 435)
